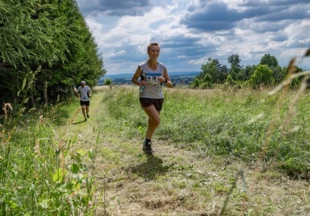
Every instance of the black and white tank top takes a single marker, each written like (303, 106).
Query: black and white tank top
(153, 89)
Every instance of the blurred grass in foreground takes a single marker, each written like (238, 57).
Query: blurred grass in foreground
(40, 173)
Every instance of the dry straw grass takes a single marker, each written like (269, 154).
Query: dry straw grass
(284, 86)
(8, 109)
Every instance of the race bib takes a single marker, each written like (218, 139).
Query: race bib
(152, 78)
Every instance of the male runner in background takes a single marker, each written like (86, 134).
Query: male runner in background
(85, 93)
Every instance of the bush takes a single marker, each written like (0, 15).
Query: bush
(261, 75)
(206, 85)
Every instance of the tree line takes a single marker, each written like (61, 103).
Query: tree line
(267, 73)
(46, 48)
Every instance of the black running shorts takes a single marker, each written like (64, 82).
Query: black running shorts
(158, 103)
(84, 103)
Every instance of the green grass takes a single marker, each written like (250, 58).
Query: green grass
(44, 172)
(234, 123)
(39, 174)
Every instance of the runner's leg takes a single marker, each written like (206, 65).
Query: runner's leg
(87, 110)
(83, 111)
(153, 122)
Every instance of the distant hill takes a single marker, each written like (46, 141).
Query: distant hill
(126, 76)
(176, 77)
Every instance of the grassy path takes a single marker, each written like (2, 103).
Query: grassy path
(178, 182)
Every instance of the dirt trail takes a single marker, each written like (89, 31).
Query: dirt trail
(177, 182)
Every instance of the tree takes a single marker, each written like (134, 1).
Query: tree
(107, 81)
(245, 73)
(261, 75)
(249, 70)
(269, 60)
(224, 69)
(235, 67)
(213, 68)
(278, 74)
(53, 36)
(195, 83)
(234, 61)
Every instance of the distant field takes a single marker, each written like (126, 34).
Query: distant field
(120, 78)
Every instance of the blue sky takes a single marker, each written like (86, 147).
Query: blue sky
(191, 31)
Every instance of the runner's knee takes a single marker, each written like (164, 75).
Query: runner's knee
(155, 121)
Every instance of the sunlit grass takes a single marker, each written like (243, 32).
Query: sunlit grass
(40, 174)
(224, 122)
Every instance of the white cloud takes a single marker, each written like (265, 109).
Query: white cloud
(118, 53)
(188, 43)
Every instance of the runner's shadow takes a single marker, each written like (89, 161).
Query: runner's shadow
(79, 122)
(151, 168)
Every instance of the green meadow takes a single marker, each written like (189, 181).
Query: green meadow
(246, 124)
(217, 152)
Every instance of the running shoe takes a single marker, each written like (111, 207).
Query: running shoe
(147, 147)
